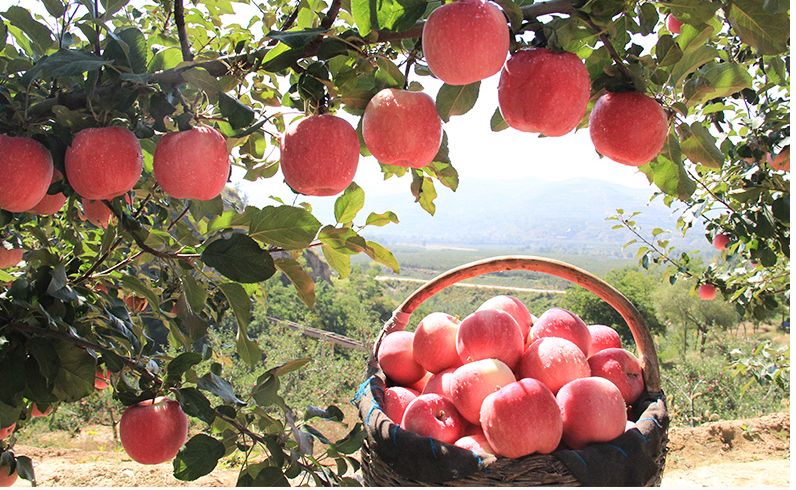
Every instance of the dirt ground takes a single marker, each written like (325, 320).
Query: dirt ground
(725, 454)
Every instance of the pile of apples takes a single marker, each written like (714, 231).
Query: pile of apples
(506, 383)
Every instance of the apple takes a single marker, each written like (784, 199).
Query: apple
(521, 418)
(420, 384)
(96, 212)
(51, 203)
(553, 361)
(396, 399)
(628, 127)
(397, 359)
(707, 292)
(476, 443)
(474, 381)
(136, 304)
(434, 416)
(102, 163)
(101, 379)
(440, 383)
(490, 334)
(721, 240)
(7, 431)
(402, 128)
(621, 368)
(192, 164)
(319, 155)
(434, 345)
(465, 41)
(781, 161)
(36, 412)
(592, 410)
(544, 91)
(27, 170)
(514, 307)
(10, 257)
(558, 322)
(603, 337)
(673, 24)
(7, 476)
(153, 431)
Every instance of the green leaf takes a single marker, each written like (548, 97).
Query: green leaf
(296, 39)
(667, 172)
(55, 8)
(203, 80)
(198, 457)
(195, 292)
(765, 29)
(692, 11)
(270, 476)
(128, 48)
(455, 100)
(220, 387)
(338, 261)
(195, 404)
(182, 363)
(137, 285)
(165, 59)
(445, 173)
(497, 123)
(383, 256)
(76, 372)
(691, 61)
(425, 193)
(716, 80)
(64, 63)
(289, 366)
(352, 441)
(238, 114)
(239, 258)
(700, 147)
(513, 12)
(37, 32)
(289, 227)
(667, 51)
(392, 15)
(349, 204)
(305, 286)
(25, 469)
(343, 240)
(381, 219)
(248, 350)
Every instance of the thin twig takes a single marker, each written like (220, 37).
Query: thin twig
(179, 20)
(608, 46)
(96, 28)
(655, 249)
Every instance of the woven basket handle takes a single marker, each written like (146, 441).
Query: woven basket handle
(638, 327)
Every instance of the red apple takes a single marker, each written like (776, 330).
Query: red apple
(192, 164)
(153, 431)
(396, 399)
(397, 360)
(490, 334)
(543, 91)
(51, 203)
(434, 416)
(136, 304)
(434, 345)
(553, 361)
(558, 322)
(465, 41)
(402, 128)
(10, 257)
(707, 292)
(473, 382)
(102, 379)
(628, 127)
(721, 240)
(621, 368)
(96, 212)
(7, 431)
(36, 412)
(514, 307)
(592, 410)
(440, 383)
(476, 443)
(421, 383)
(320, 155)
(7, 476)
(673, 24)
(781, 161)
(102, 163)
(521, 418)
(27, 170)
(603, 337)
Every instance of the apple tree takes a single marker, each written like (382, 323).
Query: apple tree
(125, 269)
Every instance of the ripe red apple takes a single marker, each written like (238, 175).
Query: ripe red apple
(421, 383)
(102, 379)
(7, 476)
(621, 368)
(522, 418)
(192, 164)
(36, 412)
(397, 360)
(7, 431)
(558, 322)
(543, 91)
(592, 410)
(440, 383)
(476, 443)
(153, 431)
(514, 307)
(51, 203)
(319, 155)
(402, 128)
(603, 337)
(473, 382)
(553, 361)
(10, 257)
(96, 212)
(465, 41)
(102, 163)
(673, 24)
(434, 345)
(434, 416)
(490, 334)
(781, 161)
(396, 399)
(707, 292)
(628, 127)
(27, 170)
(721, 240)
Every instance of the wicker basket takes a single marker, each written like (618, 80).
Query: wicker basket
(392, 456)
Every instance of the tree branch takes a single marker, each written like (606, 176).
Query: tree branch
(620, 63)
(179, 20)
